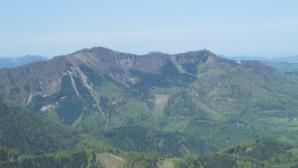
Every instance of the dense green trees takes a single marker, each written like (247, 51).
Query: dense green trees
(31, 133)
(74, 160)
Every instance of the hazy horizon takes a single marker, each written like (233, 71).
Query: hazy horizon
(230, 28)
(221, 55)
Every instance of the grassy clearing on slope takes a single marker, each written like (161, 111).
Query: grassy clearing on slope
(167, 163)
(110, 161)
(159, 104)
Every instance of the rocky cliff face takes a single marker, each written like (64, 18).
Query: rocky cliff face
(42, 78)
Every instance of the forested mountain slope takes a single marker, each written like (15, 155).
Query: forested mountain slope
(203, 102)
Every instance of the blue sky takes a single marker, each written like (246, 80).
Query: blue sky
(228, 27)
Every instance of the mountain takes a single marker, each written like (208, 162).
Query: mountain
(18, 61)
(287, 67)
(289, 59)
(283, 64)
(174, 105)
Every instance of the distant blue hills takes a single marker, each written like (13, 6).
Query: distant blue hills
(11, 62)
(284, 64)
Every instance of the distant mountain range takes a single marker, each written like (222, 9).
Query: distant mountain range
(144, 109)
(284, 64)
(11, 62)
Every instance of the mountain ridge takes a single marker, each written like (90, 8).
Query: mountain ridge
(196, 94)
